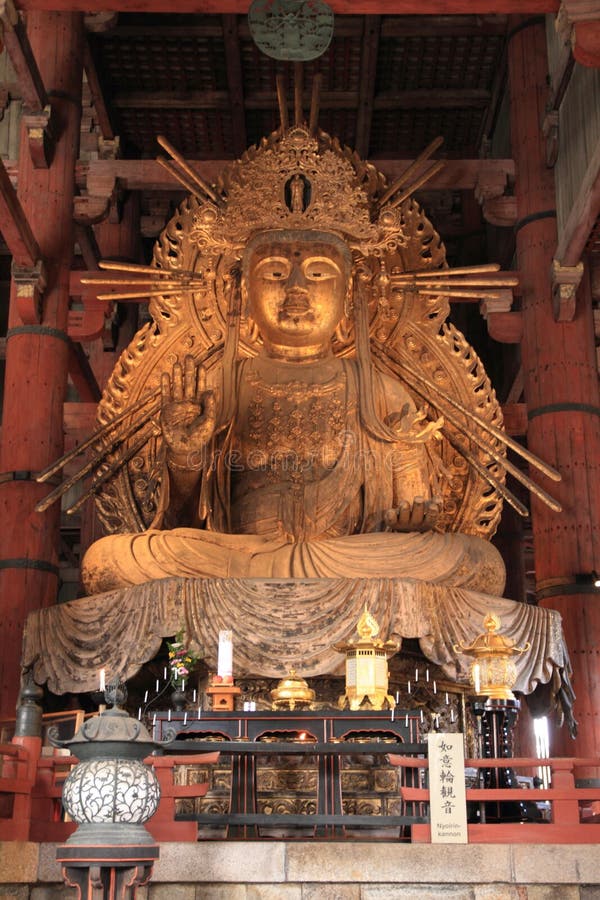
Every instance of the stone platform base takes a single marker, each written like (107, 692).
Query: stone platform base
(216, 870)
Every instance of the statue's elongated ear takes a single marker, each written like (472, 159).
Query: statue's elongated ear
(343, 331)
(251, 328)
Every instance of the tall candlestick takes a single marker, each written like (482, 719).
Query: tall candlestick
(225, 657)
(477, 677)
(102, 679)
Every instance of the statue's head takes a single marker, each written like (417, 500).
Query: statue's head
(295, 284)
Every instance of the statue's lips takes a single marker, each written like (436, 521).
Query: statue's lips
(296, 303)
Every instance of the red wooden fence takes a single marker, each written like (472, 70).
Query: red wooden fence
(31, 810)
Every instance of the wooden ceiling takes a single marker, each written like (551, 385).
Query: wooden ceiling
(389, 84)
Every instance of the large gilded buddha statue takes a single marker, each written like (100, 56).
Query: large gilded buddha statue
(298, 431)
(287, 441)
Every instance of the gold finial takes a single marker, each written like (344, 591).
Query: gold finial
(367, 626)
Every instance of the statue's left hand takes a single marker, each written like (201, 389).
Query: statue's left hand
(420, 515)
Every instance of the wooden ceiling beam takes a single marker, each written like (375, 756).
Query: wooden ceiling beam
(14, 225)
(17, 44)
(340, 7)
(468, 98)
(147, 174)
(102, 113)
(368, 73)
(235, 82)
(345, 26)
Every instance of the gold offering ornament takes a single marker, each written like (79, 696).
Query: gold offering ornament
(292, 692)
(493, 670)
(367, 675)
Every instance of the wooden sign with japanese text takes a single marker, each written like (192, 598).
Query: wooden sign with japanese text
(447, 789)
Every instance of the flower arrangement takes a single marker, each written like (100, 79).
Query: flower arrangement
(184, 656)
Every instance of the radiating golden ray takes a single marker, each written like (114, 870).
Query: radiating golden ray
(113, 266)
(194, 176)
(418, 183)
(183, 180)
(414, 166)
(101, 434)
(137, 295)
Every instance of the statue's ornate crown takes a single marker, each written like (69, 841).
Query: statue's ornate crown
(298, 181)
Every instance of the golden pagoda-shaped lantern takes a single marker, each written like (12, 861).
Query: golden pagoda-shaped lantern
(493, 671)
(367, 673)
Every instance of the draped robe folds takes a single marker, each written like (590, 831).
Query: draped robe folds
(324, 525)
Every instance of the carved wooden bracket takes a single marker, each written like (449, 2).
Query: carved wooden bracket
(584, 18)
(550, 132)
(503, 325)
(103, 200)
(92, 321)
(565, 281)
(30, 282)
(498, 208)
(490, 184)
(501, 211)
(41, 136)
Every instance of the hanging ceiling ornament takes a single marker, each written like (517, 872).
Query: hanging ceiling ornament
(297, 30)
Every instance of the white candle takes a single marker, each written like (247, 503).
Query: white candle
(194, 696)
(406, 723)
(446, 698)
(421, 715)
(139, 713)
(434, 686)
(409, 687)
(397, 696)
(165, 673)
(169, 716)
(452, 715)
(225, 657)
(392, 716)
(185, 718)
(146, 697)
(154, 719)
(477, 677)
(183, 684)
(416, 674)
(199, 711)
(426, 674)
(157, 685)
(102, 679)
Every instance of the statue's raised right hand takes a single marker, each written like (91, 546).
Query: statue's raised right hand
(188, 413)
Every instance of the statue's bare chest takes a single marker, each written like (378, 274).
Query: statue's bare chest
(291, 429)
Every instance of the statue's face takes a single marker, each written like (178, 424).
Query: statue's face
(296, 288)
